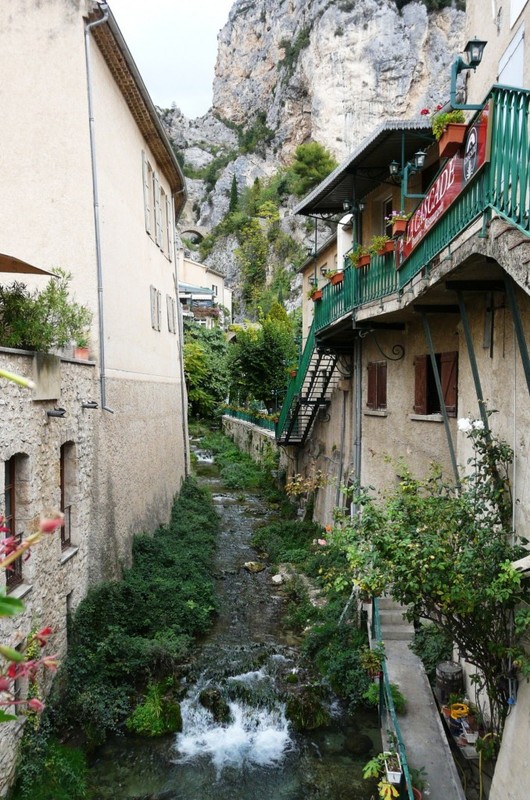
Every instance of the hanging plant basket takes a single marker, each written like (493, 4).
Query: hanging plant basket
(316, 295)
(399, 226)
(388, 247)
(452, 139)
(393, 767)
(363, 261)
(337, 278)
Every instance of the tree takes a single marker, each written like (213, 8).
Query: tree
(205, 368)
(446, 552)
(312, 163)
(234, 197)
(260, 358)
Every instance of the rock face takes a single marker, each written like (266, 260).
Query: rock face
(328, 70)
(331, 70)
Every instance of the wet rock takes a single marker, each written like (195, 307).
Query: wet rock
(277, 579)
(358, 744)
(254, 566)
(212, 699)
(306, 711)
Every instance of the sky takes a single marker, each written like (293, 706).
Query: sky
(174, 45)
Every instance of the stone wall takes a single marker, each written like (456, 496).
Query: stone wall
(256, 442)
(54, 579)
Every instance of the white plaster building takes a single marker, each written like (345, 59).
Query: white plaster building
(91, 185)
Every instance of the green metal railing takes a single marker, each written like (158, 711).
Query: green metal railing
(502, 186)
(295, 384)
(248, 416)
(387, 710)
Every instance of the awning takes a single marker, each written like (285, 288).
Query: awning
(12, 264)
(188, 288)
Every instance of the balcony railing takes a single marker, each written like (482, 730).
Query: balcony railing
(502, 186)
(295, 385)
(262, 421)
(387, 711)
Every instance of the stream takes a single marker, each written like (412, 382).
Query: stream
(241, 746)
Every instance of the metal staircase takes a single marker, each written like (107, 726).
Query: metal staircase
(308, 393)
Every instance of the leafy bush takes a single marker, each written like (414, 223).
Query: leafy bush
(372, 696)
(129, 633)
(287, 540)
(433, 645)
(41, 320)
(158, 714)
(48, 770)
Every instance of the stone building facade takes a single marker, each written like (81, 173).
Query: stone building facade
(95, 189)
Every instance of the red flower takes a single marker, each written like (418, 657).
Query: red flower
(42, 635)
(425, 112)
(5, 685)
(50, 524)
(35, 705)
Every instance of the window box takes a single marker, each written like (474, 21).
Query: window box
(452, 139)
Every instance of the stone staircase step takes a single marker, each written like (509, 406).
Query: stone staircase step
(400, 633)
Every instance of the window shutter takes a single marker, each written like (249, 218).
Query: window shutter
(158, 210)
(381, 385)
(153, 307)
(159, 310)
(371, 394)
(168, 231)
(449, 379)
(147, 192)
(420, 384)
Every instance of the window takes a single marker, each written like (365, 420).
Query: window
(387, 212)
(511, 64)
(157, 194)
(214, 290)
(376, 393)
(67, 481)
(156, 308)
(14, 572)
(148, 174)
(425, 394)
(171, 314)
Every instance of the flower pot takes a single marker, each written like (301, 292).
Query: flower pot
(393, 767)
(293, 373)
(388, 247)
(417, 794)
(337, 278)
(363, 261)
(452, 139)
(399, 226)
(316, 295)
(81, 353)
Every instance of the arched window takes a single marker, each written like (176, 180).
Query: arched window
(68, 489)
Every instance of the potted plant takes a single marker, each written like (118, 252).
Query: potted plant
(381, 245)
(371, 659)
(335, 276)
(81, 347)
(360, 256)
(398, 220)
(418, 779)
(375, 768)
(449, 129)
(315, 294)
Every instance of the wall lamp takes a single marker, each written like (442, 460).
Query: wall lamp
(474, 51)
(56, 412)
(89, 404)
(397, 174)
(347, 205)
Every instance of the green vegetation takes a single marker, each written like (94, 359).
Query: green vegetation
(435, 5)
(127, 634)
(260, 357)
(48, 770)
(205, 368)
(372, 696)
(293, 49)
(158, 713)
(433, 645)
(447, 554)
(42, 320)
(312, 163)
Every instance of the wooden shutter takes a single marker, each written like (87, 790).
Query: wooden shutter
(146, 173)
(381, 385)
(158, 210)
(420, 384)
(449, 380)
(371, 394)
(168, 229)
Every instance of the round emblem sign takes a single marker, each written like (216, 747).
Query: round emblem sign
(471, 154)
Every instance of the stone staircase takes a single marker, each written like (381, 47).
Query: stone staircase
(393, 624)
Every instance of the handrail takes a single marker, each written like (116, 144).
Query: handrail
(249, 416)
(502, 187)
(386, 701)
(295, 385)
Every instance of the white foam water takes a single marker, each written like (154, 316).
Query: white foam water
(254, 736)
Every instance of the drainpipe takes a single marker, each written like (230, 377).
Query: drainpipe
(95, 201)
(178, 254)
(358, 382)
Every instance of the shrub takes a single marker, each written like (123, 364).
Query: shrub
(158, 714)
(433, 645)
